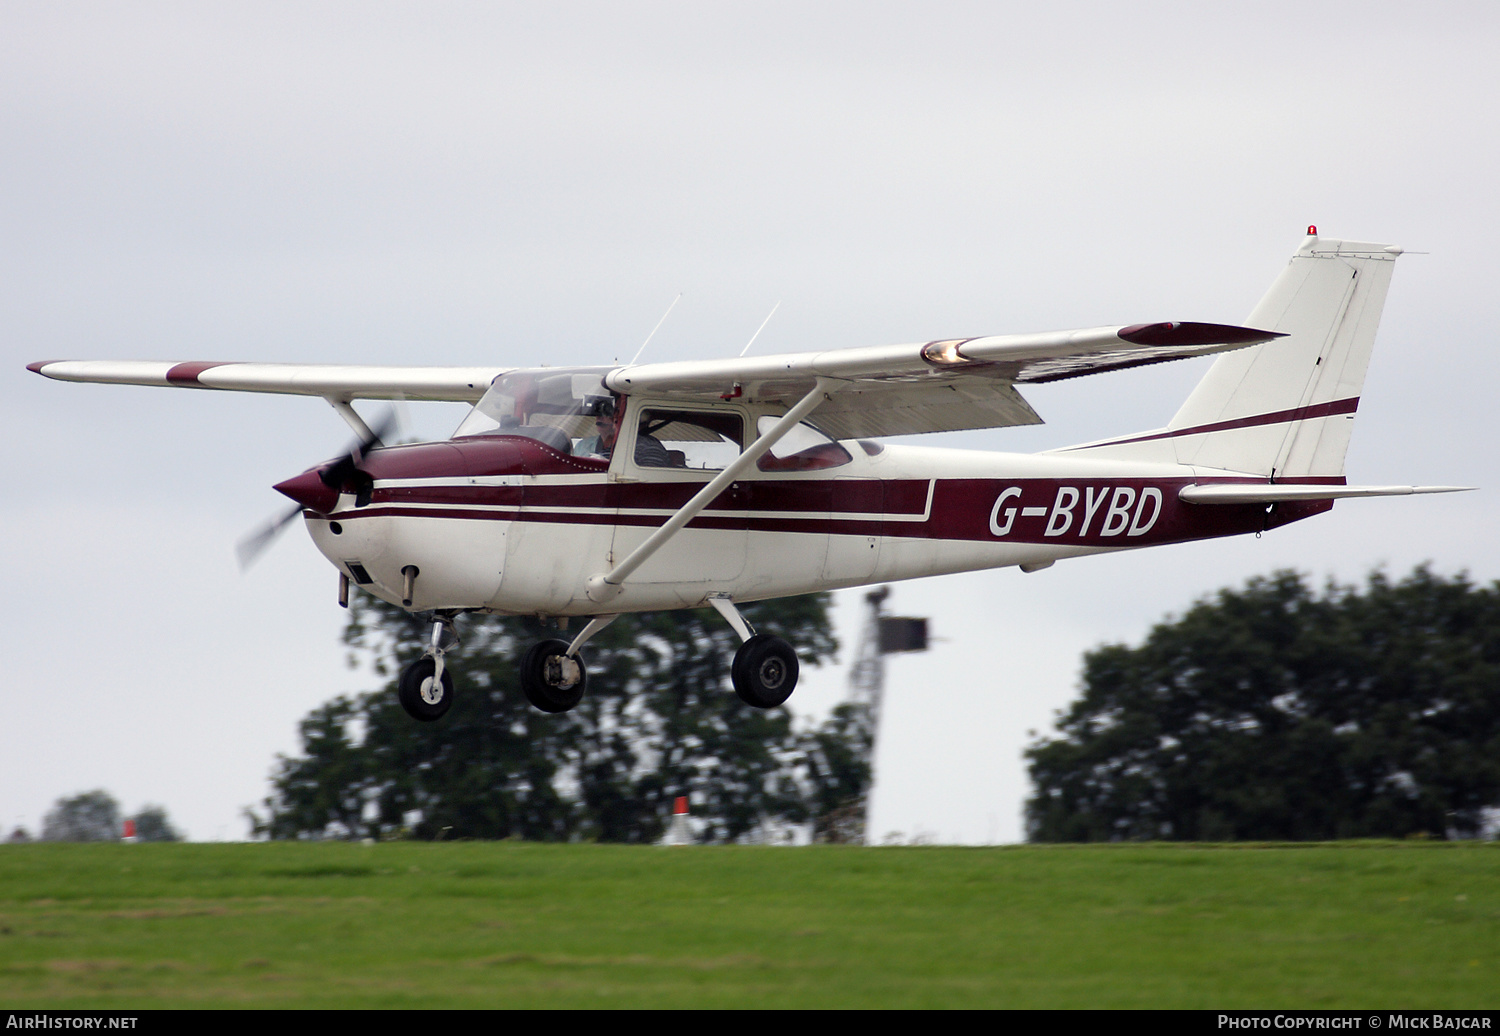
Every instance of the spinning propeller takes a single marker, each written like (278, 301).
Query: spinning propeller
(322, 483)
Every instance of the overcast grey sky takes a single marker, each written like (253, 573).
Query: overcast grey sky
(525, 183)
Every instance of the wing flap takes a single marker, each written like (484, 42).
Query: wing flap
(860, 411)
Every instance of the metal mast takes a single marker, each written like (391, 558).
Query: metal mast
(867, 674)
(879, 636)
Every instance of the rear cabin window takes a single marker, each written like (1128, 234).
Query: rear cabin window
(804, 448)
(694, 440)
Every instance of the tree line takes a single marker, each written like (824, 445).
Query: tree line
(95, 816)
(1272, 711)
(658, 722)
(1277, 712)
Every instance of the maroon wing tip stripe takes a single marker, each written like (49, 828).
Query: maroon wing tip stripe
(186, 374)
(36, 368)
(1189, 333)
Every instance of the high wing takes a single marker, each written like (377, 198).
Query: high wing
(883, 390)
(936, 386)
(335, 382)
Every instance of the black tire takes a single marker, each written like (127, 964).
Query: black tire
(409, 690)
(765, 671)
(543, 693)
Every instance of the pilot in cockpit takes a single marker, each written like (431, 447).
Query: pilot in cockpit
(649, 452)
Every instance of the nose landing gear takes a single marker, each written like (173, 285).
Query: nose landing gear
(425, 688)
(425, 693)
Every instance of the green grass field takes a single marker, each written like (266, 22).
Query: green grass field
(525, 925)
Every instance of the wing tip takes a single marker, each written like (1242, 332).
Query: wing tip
(36, 368)
(1191, 333)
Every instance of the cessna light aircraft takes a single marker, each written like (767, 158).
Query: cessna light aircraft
(592, 491)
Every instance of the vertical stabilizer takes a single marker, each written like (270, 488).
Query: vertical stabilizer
(1286, 408)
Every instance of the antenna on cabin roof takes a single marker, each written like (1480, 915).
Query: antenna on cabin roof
(761, 328)
(655, 329)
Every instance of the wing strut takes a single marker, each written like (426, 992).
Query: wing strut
(606, 586)
(353, 420)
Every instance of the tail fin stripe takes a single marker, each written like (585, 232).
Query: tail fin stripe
(1301, 413)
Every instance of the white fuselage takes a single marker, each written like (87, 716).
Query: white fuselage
(526, 541)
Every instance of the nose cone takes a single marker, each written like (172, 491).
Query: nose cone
(309, 491)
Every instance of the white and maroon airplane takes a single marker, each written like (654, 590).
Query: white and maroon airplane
(592, 491)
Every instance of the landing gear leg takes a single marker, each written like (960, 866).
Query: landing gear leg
(426, 687)
(765, 668)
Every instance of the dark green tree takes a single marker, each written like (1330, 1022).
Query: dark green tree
(152, 825)
(93, 816)
(839, 774)
(658, 721)
(1273, 712)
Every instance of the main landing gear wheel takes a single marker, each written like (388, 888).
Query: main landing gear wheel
(764, 671)
(551, 680)
(421, 696)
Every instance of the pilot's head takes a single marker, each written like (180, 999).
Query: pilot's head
(604, 423)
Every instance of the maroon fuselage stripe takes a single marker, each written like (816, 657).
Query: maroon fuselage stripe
(1090, 512)
(1301, 413)
(962, 508)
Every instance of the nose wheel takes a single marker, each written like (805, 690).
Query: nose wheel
(425, 693)
(425, 688)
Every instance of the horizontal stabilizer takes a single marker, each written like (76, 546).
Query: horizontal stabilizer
(1268, 493)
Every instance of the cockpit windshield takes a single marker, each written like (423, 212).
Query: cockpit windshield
(553, 405)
